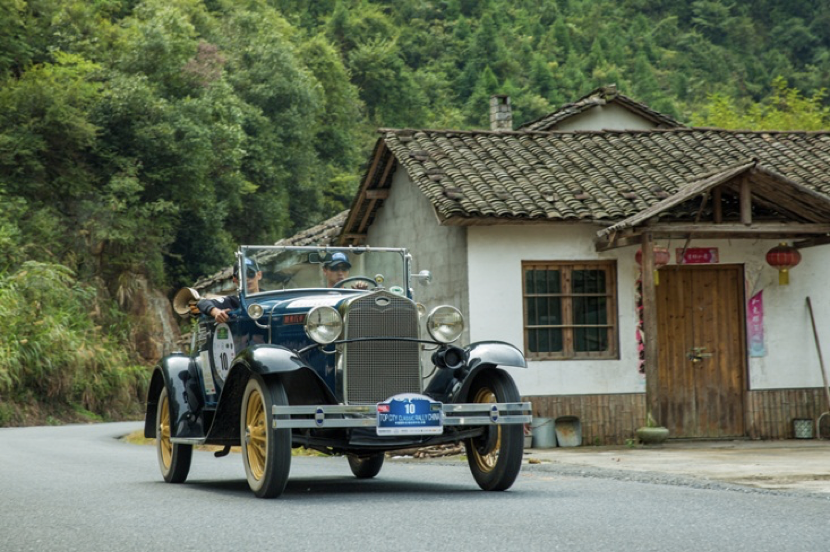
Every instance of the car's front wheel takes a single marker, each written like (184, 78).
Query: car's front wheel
(174, 459)
(367, 467)
(266, 452)
(495, 457)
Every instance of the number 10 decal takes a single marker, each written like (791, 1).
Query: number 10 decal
(223, 351)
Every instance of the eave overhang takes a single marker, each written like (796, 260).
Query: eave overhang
(803, 214)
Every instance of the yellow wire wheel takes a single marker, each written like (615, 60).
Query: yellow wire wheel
(163, 434)
(256, 436)
(266, 452)
(487, 459)
(174, 459)
(495, 457)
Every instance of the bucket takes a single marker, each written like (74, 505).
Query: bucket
(803, 428)
(568, 431)
(542, 430)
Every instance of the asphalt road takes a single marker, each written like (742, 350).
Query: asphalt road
(80, 488)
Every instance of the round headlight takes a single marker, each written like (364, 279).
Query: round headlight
(255, 311)
(445, 324)
(323, 324)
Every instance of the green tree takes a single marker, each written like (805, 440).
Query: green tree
(341, 129)
(477, 109)
(46, 133)
(15, 46)
(386, 85)
(784, 109)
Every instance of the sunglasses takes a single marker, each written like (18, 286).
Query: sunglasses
(250, 273)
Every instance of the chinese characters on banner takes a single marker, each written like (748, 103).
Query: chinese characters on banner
(755, 325)
(697, 255)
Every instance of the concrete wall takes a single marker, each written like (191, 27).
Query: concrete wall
(605, 117)
(406, 219)
(495, 280)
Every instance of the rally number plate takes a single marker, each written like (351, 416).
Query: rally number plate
(410, 414)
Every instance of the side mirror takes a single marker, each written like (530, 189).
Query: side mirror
(424, 277)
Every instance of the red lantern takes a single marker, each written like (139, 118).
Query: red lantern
(783, 257)
(661, 258)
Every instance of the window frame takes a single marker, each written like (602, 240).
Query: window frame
(567, 326)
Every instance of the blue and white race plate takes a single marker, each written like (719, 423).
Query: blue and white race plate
(410, 414)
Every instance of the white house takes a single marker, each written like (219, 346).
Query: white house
(533, 233)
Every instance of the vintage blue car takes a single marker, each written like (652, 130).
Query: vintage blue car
(357, 369)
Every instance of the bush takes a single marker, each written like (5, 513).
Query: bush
(55, 350)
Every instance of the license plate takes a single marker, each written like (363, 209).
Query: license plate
(410, 414)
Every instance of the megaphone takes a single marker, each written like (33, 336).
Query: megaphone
(184, 303)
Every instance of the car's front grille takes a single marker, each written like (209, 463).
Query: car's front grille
(376, 370)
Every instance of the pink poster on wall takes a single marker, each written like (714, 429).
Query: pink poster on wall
(755, 325)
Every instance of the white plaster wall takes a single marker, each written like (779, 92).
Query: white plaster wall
(407, 219)
(791, 359)
(496, 255)
(605, 117)
(495, 280)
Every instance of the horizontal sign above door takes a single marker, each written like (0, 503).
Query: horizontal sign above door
(697, 255)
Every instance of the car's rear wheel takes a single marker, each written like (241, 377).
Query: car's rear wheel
(495, 457)
(266, 452)
(174, 459)
(366, 467)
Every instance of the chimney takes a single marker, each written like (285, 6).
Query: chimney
(501, 116)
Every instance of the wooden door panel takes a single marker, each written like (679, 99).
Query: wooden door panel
(701, 307)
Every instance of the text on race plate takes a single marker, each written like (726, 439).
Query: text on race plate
(410, 414)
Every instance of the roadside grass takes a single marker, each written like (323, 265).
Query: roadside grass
(62, 354)
(28, 411)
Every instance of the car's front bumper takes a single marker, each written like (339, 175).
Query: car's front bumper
(342, 416)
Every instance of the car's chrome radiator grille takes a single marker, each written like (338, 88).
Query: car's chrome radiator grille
(376, 370)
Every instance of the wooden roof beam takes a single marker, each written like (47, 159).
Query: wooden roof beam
(746, 201)
(727, 230)
(370, 210)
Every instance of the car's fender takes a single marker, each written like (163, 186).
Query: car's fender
(487, 355)
(170, 373)
(497, 353)
(302, 385)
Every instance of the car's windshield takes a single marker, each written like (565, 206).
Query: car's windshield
(285, 268)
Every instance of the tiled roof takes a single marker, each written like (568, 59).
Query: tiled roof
(322, 234)
(600, 96)
(481, 177)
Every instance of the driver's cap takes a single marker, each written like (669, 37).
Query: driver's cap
(338, 259)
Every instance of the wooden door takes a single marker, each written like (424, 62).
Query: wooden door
(702, 352)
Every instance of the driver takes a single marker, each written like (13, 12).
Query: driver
(337, 269)
(219, 307)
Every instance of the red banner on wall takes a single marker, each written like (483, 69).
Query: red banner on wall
(697, 255)
(755, 325)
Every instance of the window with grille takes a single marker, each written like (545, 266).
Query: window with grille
(570, 310)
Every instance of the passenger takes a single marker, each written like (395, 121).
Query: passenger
(219, 307)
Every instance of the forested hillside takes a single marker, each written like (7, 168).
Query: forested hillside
(148, 138)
